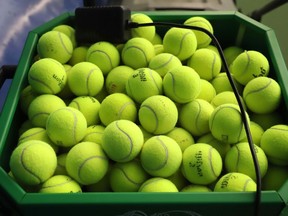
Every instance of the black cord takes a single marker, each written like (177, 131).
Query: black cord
(237, 95)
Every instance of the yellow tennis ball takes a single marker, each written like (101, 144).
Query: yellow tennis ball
(239, 159)
(224, 98)
(203, 40)
(182, 84)
(127, 177)
(182, 137)
(202, 164)
(147, 32)
(158, 114)
(157, 39)
(143, 83)
(33, 162)
(94, 133)
(27, 95)
(117, 78)
(275, 177)
(221, 83)
(85, 79)
(163, 63)
(206, 63)
(274, 143)
(122, 140)
(66, 92)
(207, 91)
(47, 76)
(137, 52)
(235, 182)
(195, 115)
(101, 186)
(79, 55)
(180, 42)
(161, 156)
(117, 106)
(60, 184)
(159, 48)
(226, 123)
(196, 188)
(158, 184)
(55, 45)
(231, 52)
(42, 106)
(67, 30)
(87, 163)
(262, 95)
(249, 65)
(66, 126)
(256, 133)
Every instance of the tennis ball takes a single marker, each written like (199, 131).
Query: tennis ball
(67, 30)
(33, 162)
(249, 65)
(163, 63)
(87, 163)
(226, 123)
(60, 184)
(42, 106)
(235, 182)
(117, 78)
(122, 140)
(158, 184)
(66, 92)
(79, 55)
(27, 95)
(224, 98)
(158, 114)
(231, 52)
(89, 107)
(127, 177)
(195, 115)
(159, 48)
(103, 54)
(143, 83)
(262, 95)
(180, 42)
(206, 63)
(94, 133)
(203, 40)
(221, 83)
(213, 48)
(196, 188)
(178, 179)
(202, 164)
(47, 76)
(275, 177)
(147, 32)
(85, 79)
(101, 186)
(161, 156)
(182, 84)
(117, 106)
(182, 137)
(239, 159)
(66, 126)
(267, 120)
(274, 143)
(256, 133)
(207, 91)
(137, 52)
(61, 165)
(55, 45)
(157, 39)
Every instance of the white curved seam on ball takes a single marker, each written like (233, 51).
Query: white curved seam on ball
(41, 82)
(88, 79)
(131, 180)
(166, 156)
(62, 42)
(56, 185)
(247, 64)
(135, 47)
(154, 81)
(213, 64)
(110, 61)
(258, 90)
(156, 119)
(165, 63)
(246, 184)
(123, 107)
(31, 135)
(210, 162)
(182, 41)
(74, 126)
(130, 140)
(197, 117)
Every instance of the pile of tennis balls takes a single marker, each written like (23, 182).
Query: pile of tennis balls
(156, 114)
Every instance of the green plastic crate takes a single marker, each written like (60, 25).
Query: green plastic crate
(231, 28)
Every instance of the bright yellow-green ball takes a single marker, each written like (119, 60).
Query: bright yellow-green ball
(158, 184)
(147, 32)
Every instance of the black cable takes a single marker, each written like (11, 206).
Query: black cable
(237, 95)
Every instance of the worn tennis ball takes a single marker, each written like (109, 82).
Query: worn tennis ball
(202, 164)
(207, 92)
(103, 54)
(117, 78)
(27, 95)
(195, 115)
(256, 133)
(196, 188)
(249, 65)
(79, 55)
(161, 156)
(158, 184)
(239, 159)
(33, 162)
(94, 133)
(163, 63)
(122, 140)
(55, 45)
(224, 98)
(60, 184)
(203, 40)
(67, 30)
(262, 95)
(127, 177)
(87, 163)
(137, 52)
(158, 114)
(183, 137)
(226, 123)
(275, 177)
(85, 79)
(182, 84)
(117, 106)
(274, 143)
(147, 32)
(206, 63)
(143, 83)
(221, 83)
(66, 126)
(42, 106)
(180, 42)
(47, 76)
(235, 182)
(231, 52)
